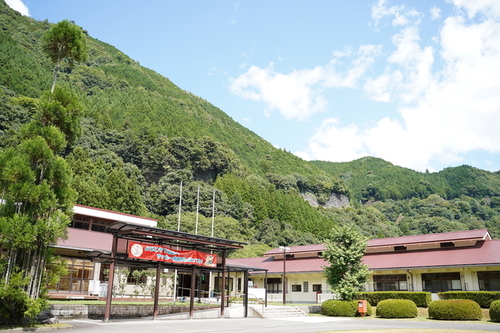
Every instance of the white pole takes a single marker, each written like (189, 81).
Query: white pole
(178, 229)
(197, 208)
(212, 234)
(180, 209)
(213, 213)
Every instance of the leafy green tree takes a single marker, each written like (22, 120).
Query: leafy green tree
(346, 274)
(65, 40)
(62, 109)
(37, 198)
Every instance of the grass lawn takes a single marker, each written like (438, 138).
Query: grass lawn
(28, 327)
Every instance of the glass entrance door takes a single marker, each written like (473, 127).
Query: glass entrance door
(77, 278)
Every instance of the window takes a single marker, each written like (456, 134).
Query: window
(437, 282)
(489, 281)
(81, 222)
(306, 286)
(400, 248)
(296, 287)
(274, 285)
(317, 288)
(218, 283)
(79, 273)
(88, 223)
(447, 244)
(391, 282)
(99, 225)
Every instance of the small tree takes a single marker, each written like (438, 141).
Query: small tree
(346, 274)
(64, 40)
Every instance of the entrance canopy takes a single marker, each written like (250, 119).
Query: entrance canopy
(146, 246)
(173, 238)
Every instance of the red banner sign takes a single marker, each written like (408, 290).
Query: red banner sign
(166, 254)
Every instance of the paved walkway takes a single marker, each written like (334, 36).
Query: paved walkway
(209, 321)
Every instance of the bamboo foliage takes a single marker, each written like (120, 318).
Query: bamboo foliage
(36, 199)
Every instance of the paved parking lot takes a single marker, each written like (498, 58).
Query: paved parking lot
(310, 324)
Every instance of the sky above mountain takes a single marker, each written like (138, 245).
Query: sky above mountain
(414, 82)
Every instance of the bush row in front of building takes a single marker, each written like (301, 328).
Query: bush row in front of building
(455, 309)
(421, 298)
(483, 298)
(337, 308)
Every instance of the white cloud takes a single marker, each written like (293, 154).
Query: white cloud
(297, 95)
(408, 74)
(19, 6)
(332, 142)
(401, 15)
(435, 12)
(489, 8)
(444, 113)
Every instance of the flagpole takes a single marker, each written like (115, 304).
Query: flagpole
(180, 209)
(178, 229)
(213, 213)
(212, 234)
(197, 209)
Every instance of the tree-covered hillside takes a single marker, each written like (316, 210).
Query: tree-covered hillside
(142, 136)
(372, 178)
(457, 198)
(144, 141)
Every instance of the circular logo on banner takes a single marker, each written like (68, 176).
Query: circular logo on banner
(136, 250)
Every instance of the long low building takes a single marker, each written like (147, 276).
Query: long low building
(463, 260)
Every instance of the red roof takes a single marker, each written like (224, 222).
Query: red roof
(276, 266)
(483, 253)
(481, 234)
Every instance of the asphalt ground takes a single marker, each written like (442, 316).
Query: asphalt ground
(287, 325)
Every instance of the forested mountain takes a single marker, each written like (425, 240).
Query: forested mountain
(372, 178)
(457, 198)
(143, 138)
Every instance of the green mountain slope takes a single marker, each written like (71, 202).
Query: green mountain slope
(375, 179)
(143, 136)
(121, 93)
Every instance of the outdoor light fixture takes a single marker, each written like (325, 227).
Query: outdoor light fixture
(284, 249)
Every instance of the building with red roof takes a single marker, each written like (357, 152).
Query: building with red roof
(462, 260)
(86, 234)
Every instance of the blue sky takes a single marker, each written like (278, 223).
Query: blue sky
(416, 83)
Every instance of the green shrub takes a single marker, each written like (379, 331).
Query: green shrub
(455, 309)
(421, 298)
(15, 305)
(495, 311)
(337, 308)
(483, 298)
(396, 308)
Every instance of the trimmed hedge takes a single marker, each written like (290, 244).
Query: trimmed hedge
(455, 309)
(483, 298)
(495, 311)
(421, 298)
(396, 308)
(337, 308)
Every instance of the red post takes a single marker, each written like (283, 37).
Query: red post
(157, 291)
(111, 277)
